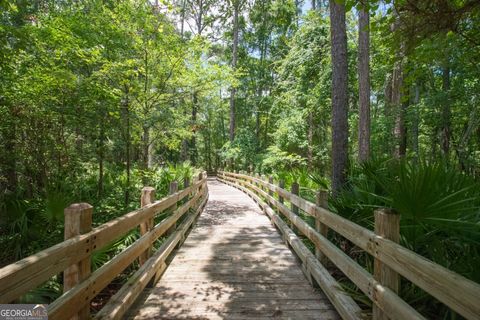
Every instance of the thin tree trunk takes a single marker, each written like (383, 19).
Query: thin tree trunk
(257, 125)
(364, 84)
(398, 131)
(101, 156)
(184, 150)
(182, 23)
(402, 145)
(222, 124)
(193, 141)
(310, 140)
(151, 147)
(338, 36)
(145, 147)
(446, 113)
(234, 67)
(127, 145)
(388, 94)
(11, 155)
(416, 120)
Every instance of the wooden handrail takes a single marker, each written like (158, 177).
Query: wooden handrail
(343, 303)
(18, 278)
(454, 290)
(119, 304)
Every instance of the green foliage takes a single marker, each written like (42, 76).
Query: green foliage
(439, 208)
(243, 150)
(95, 111)
(276, 159)
(44, 294)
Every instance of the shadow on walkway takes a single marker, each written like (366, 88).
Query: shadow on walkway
(233, 265)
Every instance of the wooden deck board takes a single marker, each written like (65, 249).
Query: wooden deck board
(233, 265)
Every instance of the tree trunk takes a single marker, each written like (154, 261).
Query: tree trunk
(446, 113)
(145, 147)
(399, 128)
(310, 140)
(234, 67)
(9, 158)
(184, 149)
(150, 161)
(257, 125)
(364, 84)
(101, 155)
(127, 145)
(222, 125)
(402, 145)
(388, 94)
(416, 120)
(338, 36)
(182, 22)
(193, 141)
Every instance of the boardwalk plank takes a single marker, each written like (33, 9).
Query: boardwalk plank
(233, 265)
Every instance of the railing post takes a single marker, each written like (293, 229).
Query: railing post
(387, 225)
(186, 184)
(295, 191)
(200, 177)
(78, 220)
(173, 187)
(270, 180)
(321, 200)
(261, 185)
(281, 185)
(147, 197)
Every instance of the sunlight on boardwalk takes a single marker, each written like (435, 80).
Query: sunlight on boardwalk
(233, 265)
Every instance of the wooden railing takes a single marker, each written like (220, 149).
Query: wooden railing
(390, 259)
(72, 256)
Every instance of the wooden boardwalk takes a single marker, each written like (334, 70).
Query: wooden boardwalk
(233, 265)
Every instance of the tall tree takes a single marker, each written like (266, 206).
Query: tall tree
(338, 36)
(236, 8)
(364, 83)
(446, 112)
(397, 94)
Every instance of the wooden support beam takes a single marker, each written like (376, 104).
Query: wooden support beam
(295, 191)
(321, 200)
(147, 197)
(387, 225)
(186, 184)
(78, 220)
(281, 185)
(270, 180)
(173, 187)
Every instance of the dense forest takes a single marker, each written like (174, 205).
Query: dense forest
(376, 101)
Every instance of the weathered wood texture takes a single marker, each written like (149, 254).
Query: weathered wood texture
(18, 278)
(147, 197)
(233, 265)
(344, 304)
(452, 289)
(66, 305)
(387, 225)
(380, 295)
(78, 220)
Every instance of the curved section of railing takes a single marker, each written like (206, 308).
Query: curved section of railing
(455, 291)
(74, 255)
